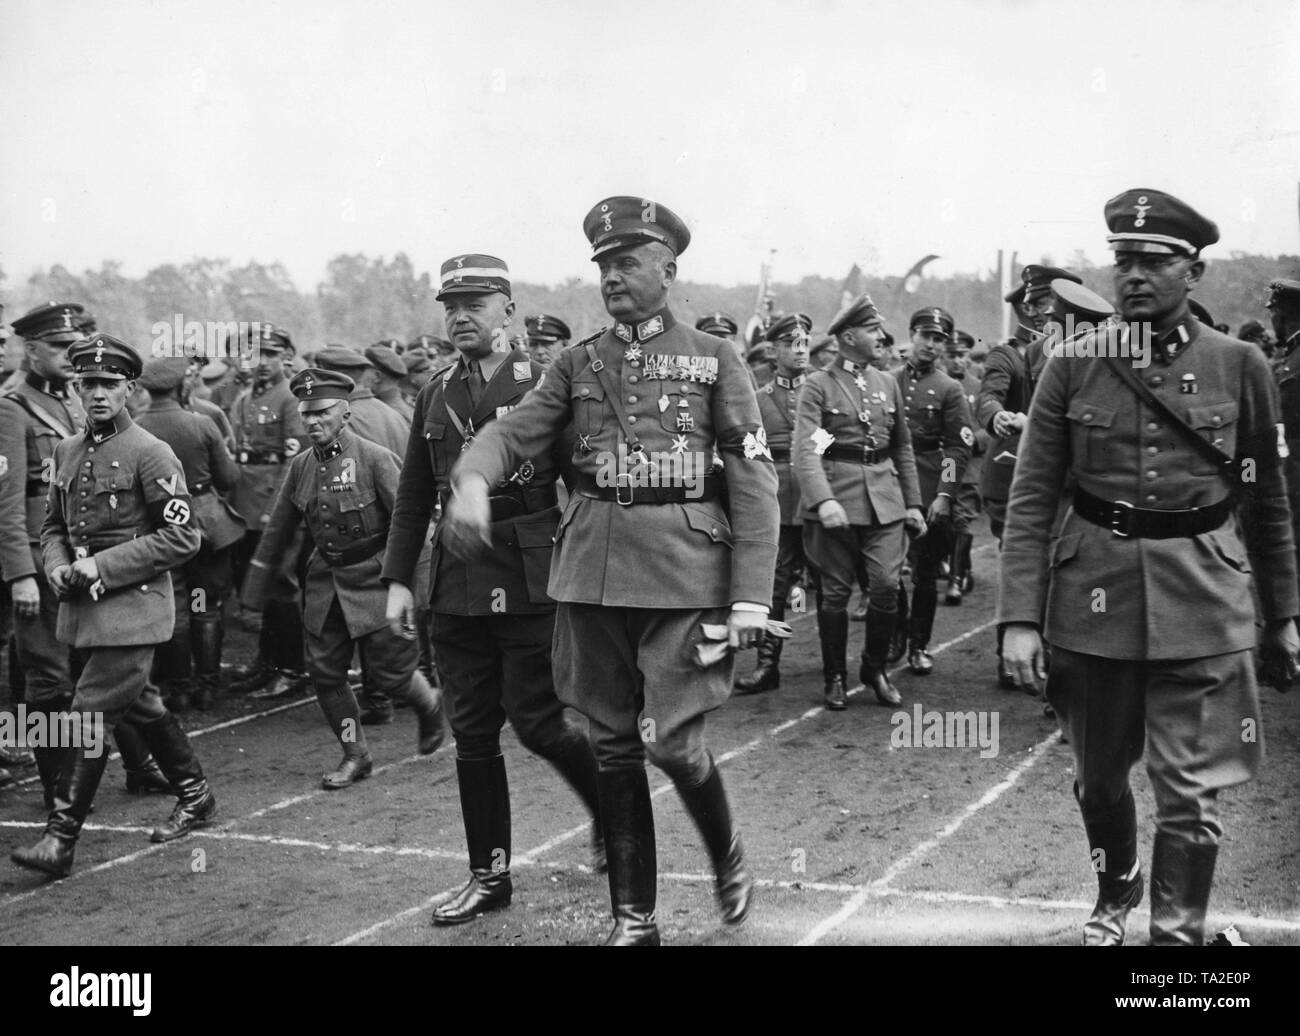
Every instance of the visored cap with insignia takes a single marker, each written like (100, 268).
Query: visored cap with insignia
(319, 389)
(1143, 220)
(54, 322)
(1079, 302)
(961, 341)
(717, 324)
(104, 356)
(761, 353)
(473, 274)
(164, 375)
(822, 343)
(546, 328)
(787, 324)
(340, 357)
(1283, 293)
(1036, 281)
(857, 311)
(214, 371)
(932, 318)
(386, 360)
(624, 221)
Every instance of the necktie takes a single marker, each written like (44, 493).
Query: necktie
(475, 383)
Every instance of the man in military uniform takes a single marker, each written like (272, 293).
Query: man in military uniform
(343, 490)
(370, 418)
(1011, 371)
(938, 419)
(204, 582)
(776, 405)
(761, 364)
(119, 520)
(268, 434)
(721, 326)
(493, 621)
(35, 415)
(1161, 456)
(823, 352)
(548, 336)
(387, 373)
(858, 486)
(650, 567)
(1284, 312)
(966, 503)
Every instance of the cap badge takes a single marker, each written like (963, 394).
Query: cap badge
(307, 383)
(605, 215)
(99, 353)
(67, 318)
(460, 262)
(1142, 209)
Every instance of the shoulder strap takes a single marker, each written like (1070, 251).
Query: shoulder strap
(1226, 465)
(612, 395)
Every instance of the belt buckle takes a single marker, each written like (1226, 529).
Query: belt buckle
(1121, 511)
(623, 481)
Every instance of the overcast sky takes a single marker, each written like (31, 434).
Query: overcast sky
(833, 132)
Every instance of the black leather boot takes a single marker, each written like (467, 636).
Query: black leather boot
(767, 675)
(874, 670)
(428, 707)
(171, 671)
(143, 774)
(967, 569)
(282, 621)
(629, 825)
(577, 765)
(207, 634)
(339, 706)
(1182, 873)
(707, 805)
(195, 805)
(957, 568)
(898, 643)
(485, 805)
(833, 631)
(1112, 839)
(50, 766)
(925, 599)
(53, 853)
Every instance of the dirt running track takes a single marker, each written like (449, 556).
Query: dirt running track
(853, 841)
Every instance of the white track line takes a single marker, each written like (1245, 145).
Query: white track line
(922, 850)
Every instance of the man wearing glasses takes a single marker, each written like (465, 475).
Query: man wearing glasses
(1145, 596)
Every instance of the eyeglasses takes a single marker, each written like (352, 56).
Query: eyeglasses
(1146, 263)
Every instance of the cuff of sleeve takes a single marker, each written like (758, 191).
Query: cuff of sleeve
(749, 606)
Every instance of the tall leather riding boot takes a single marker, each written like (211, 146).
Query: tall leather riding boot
(343, 714)
(577, 765)
(142, 771)
(258, 673)
(286, 622)
(767, 674)
(833, 631)
(424, 638)
(874, 671)
(1181, 875)
(707, 805)
(967, 568)
(428, 706)
(485, 805)
(195, 803)
(1112, 839)
(898, 645)
(207, 634)
(53, 853)
(50, 767)
(925, 598)
(958, 566)
(629, 823)
(171, 670)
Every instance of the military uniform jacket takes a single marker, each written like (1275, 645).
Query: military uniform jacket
(268, 433)
(377, 421)
(939, 421)
(512, 577)
(1287, 373)
(404, 409)
(32, 421)
(1132, 598)
(210, 471)
(777, 406)
(688, 396)
(1008, 384)
(119, 496)
(833, 402)
(344, 494)
(970, 388)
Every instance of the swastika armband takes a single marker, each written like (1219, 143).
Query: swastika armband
(176, 511)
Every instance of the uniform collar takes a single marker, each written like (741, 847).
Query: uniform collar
(852, 366)
(331, 451)
(50, 388)
(102, 433)
(646, 329)
(791, 383)
(1171, 344)
(916, 374)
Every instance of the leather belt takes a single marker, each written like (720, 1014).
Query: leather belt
(626, 494)
(1123, 519)
(781, 453)
(926, 445)
(260, 457)
(37, 488)
(358, 551)
(200, 488)
(514, 503)
(860, 454)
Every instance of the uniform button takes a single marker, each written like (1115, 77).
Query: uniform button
(143, 586)
(356, 530)
(631, 399)
(633, 378)
(632, 419)
(87, 464)
(84, 492)
(1151, 498)
(1217, 418)
(324, 507)
(80, 524)
(1157, 379)
(322, 471)
(1152, 426)
(1153, 474)
(1087, 417)
(327, 525)
(585, 392)
(713, 531)
(91, 450)
(1153, 450)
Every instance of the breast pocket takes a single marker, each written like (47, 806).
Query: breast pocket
(1217, 424)
(114, 500)
(1090, 431)
(358, 514)
(681, 406)
(435, 437)
(588, 400)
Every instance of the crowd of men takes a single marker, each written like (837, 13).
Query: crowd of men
(457, 524)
